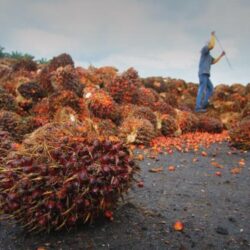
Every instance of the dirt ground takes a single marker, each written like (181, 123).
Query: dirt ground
(215, 209)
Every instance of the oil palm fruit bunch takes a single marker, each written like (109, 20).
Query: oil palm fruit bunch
(65, 78)
(145, 113)
(124, 87)
(102, 105)
(156, 83)
(68, 182)
(7, 101)
(65, 98)
(60, 61)
(187, 121)
(136, 131)
(210, 124)
(40, 111)
(31, 90)
(5, 144)
(246, 111)
(164, 108)
(240, 135)
(146, 97)
(24, 65)
(169, 126)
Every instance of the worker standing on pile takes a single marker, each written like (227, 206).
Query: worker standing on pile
(205, 90)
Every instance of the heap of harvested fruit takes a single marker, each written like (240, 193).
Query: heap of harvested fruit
(63, 181)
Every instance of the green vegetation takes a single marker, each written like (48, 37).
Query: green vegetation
(20, 56)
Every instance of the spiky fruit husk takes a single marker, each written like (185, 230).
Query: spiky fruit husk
(67, 98)
(70, 182)
(240, 135)
(187, 121)
(210, 124)
(169, 126)
(137, 131)
(124, 87)
(146, 97)
(65, 78)
(31, 90)
(25, 64)
(60, 61)
(164, 108)
(7, 101)
(102, 105)
(145, 113)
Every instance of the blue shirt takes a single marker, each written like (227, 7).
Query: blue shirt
(205, 61)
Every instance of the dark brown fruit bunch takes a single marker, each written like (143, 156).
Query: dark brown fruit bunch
(7, 101)
(31, 90)
(65, 78)
(187, 121)
(60, 61)
(25, 64)
(240, 135)
(169, 126)
(69, 183)
(210, 124)
(146, 97)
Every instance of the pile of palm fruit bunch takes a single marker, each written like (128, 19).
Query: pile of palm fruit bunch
(94, 113)
(57, 178)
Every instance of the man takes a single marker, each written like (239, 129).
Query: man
(206, 87)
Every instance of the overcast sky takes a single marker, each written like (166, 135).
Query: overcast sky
(156, 37)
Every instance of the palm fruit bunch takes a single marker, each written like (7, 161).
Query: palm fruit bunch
(175, 86)
(24, 65)
(221, 92)
(210, 124)
(64, 180)
(6, 142)
(96, 76)
(7, 101)
(156, 83)
(164, 108)
(106, 128)
(65, 78)
(137, 131)
(169, 99)
(240, 135)
(102, 105)
(192, 89)
(66, 114)
(229, 119)
(41, 112)
(238, 88)
(146, 97)
(169, 126)
(66, 98)
(31, 91)
(126, 110)
(16, 125)
(60, 61)
(124, 87)
(145, 113)
(246, 111)
(187, 121)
